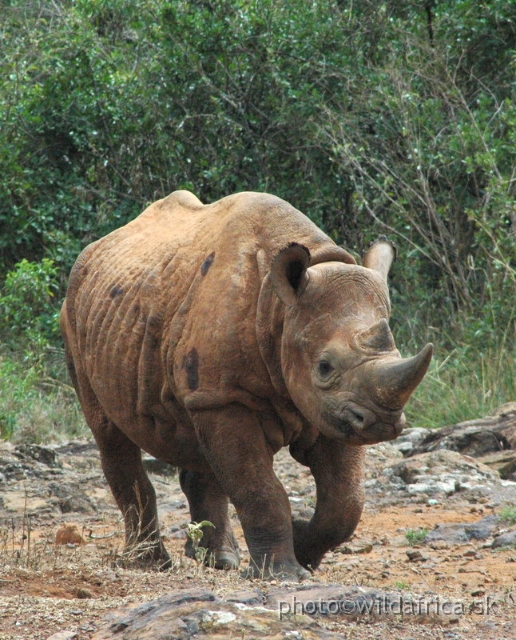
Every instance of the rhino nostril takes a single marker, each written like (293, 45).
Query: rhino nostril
(354, 418)
(357, 417)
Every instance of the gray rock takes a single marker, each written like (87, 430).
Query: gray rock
(441, 472)
(504, 462)
(409, 439)
(474, 437)
(249, 597)
(434, 487)
(414, 555)
(382, 452)
(15, 471)
(461, 533)
(288, 612)
(355, 548)
(198, 613)
(336, 601)
(71, 498)
(77, 504)
(44, 455)
(63, 635)
(505, 540)
(450, 533)
(78, 448)
(482, 529)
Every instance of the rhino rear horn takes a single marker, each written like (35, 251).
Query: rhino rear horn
(377, 338)
(288, 272)
(380, 256)
(395, 381)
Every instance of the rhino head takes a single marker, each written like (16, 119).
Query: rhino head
(338, 357)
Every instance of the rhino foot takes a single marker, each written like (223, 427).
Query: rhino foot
(306, 549)
(219, 559)
(225, 560)
(277, 571)
(143, 557)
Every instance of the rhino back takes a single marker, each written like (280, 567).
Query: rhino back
(165, 307)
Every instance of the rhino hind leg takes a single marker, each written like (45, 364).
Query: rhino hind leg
(135, 496)
(136, 499)
(121, 462)
(123, 468)
(208, 503)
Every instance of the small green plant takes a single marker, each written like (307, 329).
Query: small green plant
(415, 536)
(401, 584)
(508, 514)
(195, 532)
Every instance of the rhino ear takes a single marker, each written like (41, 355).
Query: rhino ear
(288, 272)
(380, 256)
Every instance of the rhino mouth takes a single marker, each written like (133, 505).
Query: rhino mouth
(357, 423)
(346, 429)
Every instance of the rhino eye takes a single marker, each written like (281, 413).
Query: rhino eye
(325, 368)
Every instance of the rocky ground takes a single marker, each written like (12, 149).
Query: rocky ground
(434, 555)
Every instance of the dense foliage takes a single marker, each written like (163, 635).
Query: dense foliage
(386, 117)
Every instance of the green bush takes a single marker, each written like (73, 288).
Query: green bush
(508, 514)
(371, 117)
(35, 406)
(27, 303)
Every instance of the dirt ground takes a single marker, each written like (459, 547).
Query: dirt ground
(46, 587)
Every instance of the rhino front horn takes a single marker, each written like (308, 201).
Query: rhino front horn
(395, 381)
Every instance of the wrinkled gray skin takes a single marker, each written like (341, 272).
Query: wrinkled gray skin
(211, 336)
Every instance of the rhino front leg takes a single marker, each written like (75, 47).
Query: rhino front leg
(234, 444)
(338, 471)
(208, 502)
(122, 465)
